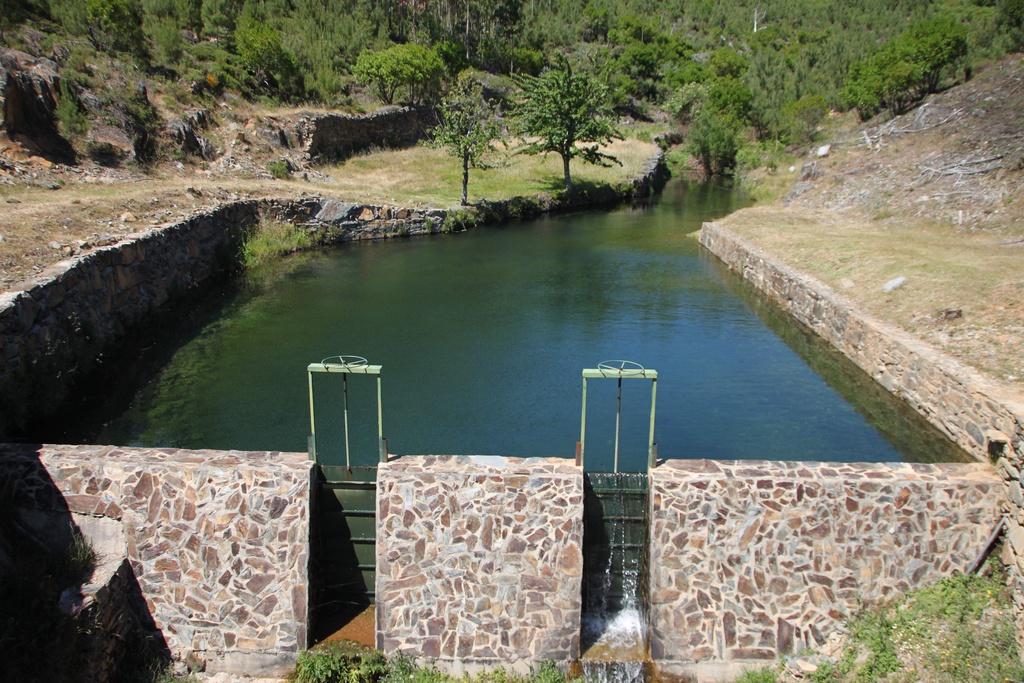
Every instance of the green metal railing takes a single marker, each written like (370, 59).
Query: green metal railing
(619, 370)
(346, 365)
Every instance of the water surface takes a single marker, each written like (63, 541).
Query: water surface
(482, 337)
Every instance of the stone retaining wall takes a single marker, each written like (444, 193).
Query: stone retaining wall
(480, 560)
(337, 136)
(754, 559)
(984, 418)
(977, 414)
(218, 540)
(55, 326)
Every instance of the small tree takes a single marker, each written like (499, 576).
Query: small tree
(416, 68)
(468, 127)
(561, 109)
(714, 141)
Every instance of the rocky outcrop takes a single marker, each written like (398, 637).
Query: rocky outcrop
(29, 90)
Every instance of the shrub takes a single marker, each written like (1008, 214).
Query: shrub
(340, 662)
(280, 169)
(270, 240)
(70, 117)
(459, 220)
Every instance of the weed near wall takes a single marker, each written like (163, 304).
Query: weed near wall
(271, 239)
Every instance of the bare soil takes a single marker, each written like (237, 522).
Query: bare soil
(50, 212)
(935, 196)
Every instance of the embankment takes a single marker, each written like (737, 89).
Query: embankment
(984, 418)
(56, 327)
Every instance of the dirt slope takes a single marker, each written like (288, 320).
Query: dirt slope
(935, 196)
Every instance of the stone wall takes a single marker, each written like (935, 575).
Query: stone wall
(753, 559)
(337, 136)
(980, 416)
(53, 327)
(218, 541)
(479, 560)
(984, 418)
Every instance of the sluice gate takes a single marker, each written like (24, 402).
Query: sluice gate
(347, 515)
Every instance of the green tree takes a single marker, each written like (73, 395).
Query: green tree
(803, 116)
(1011, 19)
(115, 25)
(416, 68)
(468, 127)
(936, 47)
(561, 109)
(714, 141)
(264, 57)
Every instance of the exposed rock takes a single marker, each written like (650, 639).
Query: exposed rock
(190, 142)
(894, 283)
(29, 87)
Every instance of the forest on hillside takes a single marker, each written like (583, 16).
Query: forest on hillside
(763, 69)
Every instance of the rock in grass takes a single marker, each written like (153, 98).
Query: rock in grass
(894, 283)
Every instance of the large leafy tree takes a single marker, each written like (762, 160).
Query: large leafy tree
(468, 127)
(565, 112)
(416, 68)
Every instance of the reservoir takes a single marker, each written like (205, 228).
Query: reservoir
(482, 337)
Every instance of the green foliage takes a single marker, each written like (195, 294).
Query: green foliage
(262, 54)
(280, 169)
(1010, 18)
(468, 127)
(270, 240)
(415, 68)
(959, 629)
(340, 662)
(459, 220)
(803, 117)
(687, 102)
(73, 122)
(559, 110)
(725, 62)
(908, 68)
(115, 25)
(218, 17)
(763, 675)
(714, 141)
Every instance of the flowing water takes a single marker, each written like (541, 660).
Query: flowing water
(482, 337)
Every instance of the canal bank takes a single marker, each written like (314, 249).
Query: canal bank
(985, 418)
(60, 325)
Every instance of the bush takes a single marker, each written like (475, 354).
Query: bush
(280, 169)
(459, 220)
(415, 68)
(271, 240)
(340, 662)
(71, 119)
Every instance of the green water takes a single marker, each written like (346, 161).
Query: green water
(482, 337)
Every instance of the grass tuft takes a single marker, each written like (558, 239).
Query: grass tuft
(270, 240)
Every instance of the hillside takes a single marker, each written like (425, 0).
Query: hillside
(935, 196)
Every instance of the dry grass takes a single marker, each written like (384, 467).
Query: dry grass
(39, 227)
(973, 273)
(425, 176)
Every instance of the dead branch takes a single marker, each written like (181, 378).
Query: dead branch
(961, 169)
(903, 131)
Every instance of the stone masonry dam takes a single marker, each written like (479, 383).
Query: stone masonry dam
(479, 561)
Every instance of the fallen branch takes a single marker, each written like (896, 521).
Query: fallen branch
(959, 168)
